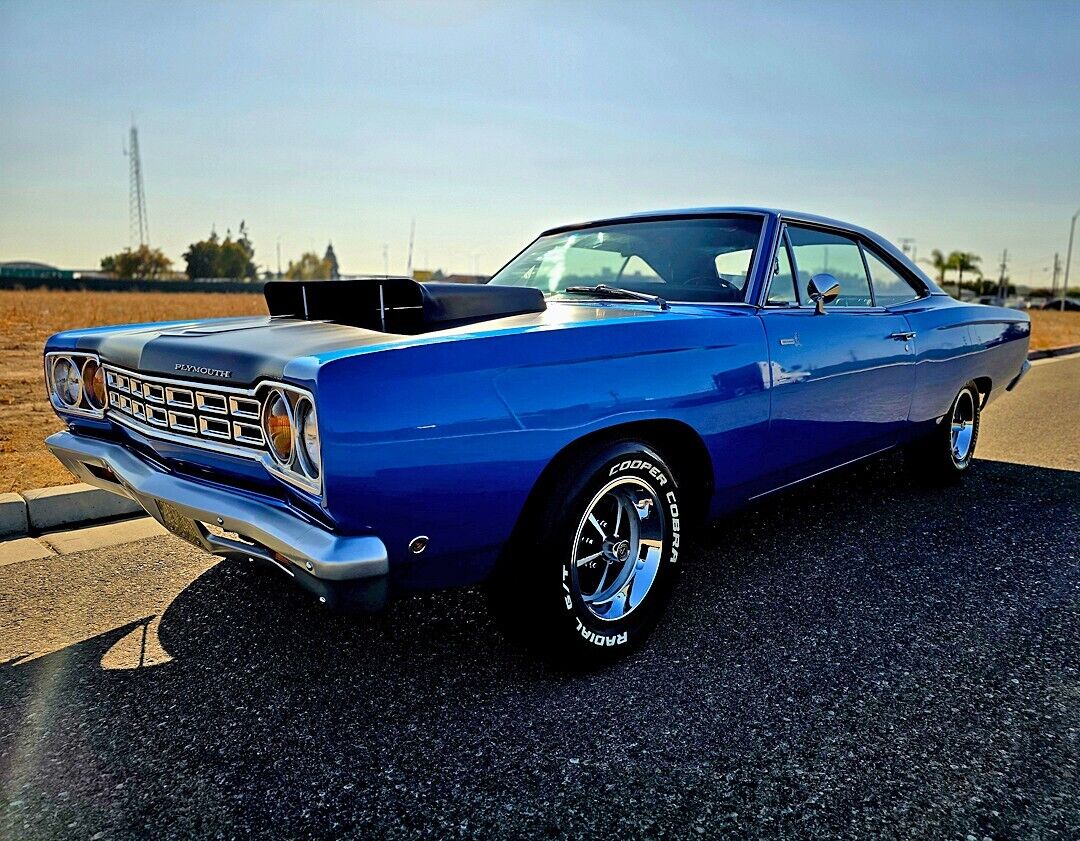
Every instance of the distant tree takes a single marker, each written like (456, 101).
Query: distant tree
(201, 257)
(309, 267)
(243, 242)
(964, 261)
(960, 261)
(143, 262)
(984, 286)
(941, 264)
(232, 258)
(331, 258)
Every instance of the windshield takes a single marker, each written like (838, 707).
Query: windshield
(705, 260)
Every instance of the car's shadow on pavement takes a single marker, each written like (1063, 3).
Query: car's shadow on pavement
(861, 657)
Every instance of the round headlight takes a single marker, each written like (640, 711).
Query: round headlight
(66, 382)
(277, 424)
(93, 377)
(308, 425)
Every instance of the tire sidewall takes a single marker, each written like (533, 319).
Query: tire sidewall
(964, 464)
(571, 620)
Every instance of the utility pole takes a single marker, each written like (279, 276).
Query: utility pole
(386, 260)
(138, 223)
(1068, 260)
(907, 245)
(1054, 277)
(279, 258)
(1002, 278)
(412, 236)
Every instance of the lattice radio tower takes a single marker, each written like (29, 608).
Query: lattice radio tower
(138, 224)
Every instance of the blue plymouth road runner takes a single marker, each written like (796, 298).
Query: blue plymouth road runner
(552, 433)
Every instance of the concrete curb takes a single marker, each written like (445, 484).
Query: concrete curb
(1053, 351)
(64, 506)
(98, 537)
(83, 539)
(13, 518)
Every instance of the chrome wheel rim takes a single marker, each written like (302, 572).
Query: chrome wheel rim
(617, 548)
(963, 426)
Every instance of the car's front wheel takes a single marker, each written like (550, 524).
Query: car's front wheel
(945, 454)
(591, 572)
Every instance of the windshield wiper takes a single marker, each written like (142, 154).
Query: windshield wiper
(617, 292)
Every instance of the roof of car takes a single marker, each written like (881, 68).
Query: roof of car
(704, 211)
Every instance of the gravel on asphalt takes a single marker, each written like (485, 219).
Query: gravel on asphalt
(857, 658)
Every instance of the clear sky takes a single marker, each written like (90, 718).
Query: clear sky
(954, 123)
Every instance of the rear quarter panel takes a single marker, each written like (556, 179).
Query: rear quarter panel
(958, 342)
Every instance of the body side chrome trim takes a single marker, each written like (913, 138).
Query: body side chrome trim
(822, 472)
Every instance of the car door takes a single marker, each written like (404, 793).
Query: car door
(841, 381)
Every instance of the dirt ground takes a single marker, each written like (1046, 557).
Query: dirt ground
(27, 319)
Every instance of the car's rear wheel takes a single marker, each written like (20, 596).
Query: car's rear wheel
(591, 572)
(946, 453)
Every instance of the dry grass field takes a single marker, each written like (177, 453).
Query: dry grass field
(27, 319)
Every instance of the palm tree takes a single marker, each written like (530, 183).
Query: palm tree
(964, 261)
(942, 264)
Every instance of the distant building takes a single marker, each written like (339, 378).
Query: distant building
(29, 270)
(331, 258)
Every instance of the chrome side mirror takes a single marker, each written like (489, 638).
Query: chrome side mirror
(822, 289)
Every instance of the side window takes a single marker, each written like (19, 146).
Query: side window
(637, 269)
(818, 251)
(890, 287)
(782, 288)
(733, 266)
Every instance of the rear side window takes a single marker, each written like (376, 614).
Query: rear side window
(818, 252)
(890, 287)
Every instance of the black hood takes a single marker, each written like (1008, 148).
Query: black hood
(307, 318)
(230, 351)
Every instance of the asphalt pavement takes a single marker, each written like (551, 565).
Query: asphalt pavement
(859, 658)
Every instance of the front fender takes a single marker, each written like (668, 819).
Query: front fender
(447, 440)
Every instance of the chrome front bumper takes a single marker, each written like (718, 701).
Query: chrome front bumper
(346, 571)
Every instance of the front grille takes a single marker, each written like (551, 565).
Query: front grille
(195, 411)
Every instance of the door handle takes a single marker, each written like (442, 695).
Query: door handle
(902, 336)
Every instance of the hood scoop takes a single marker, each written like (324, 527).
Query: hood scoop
(398, 304)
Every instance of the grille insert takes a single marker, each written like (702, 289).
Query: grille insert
(190, 410)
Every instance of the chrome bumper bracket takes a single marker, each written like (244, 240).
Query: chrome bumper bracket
(319, 559)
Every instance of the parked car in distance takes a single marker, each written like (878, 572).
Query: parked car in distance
(1070, 305)
(552, 433)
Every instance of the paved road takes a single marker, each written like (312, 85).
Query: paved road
(864, 659)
